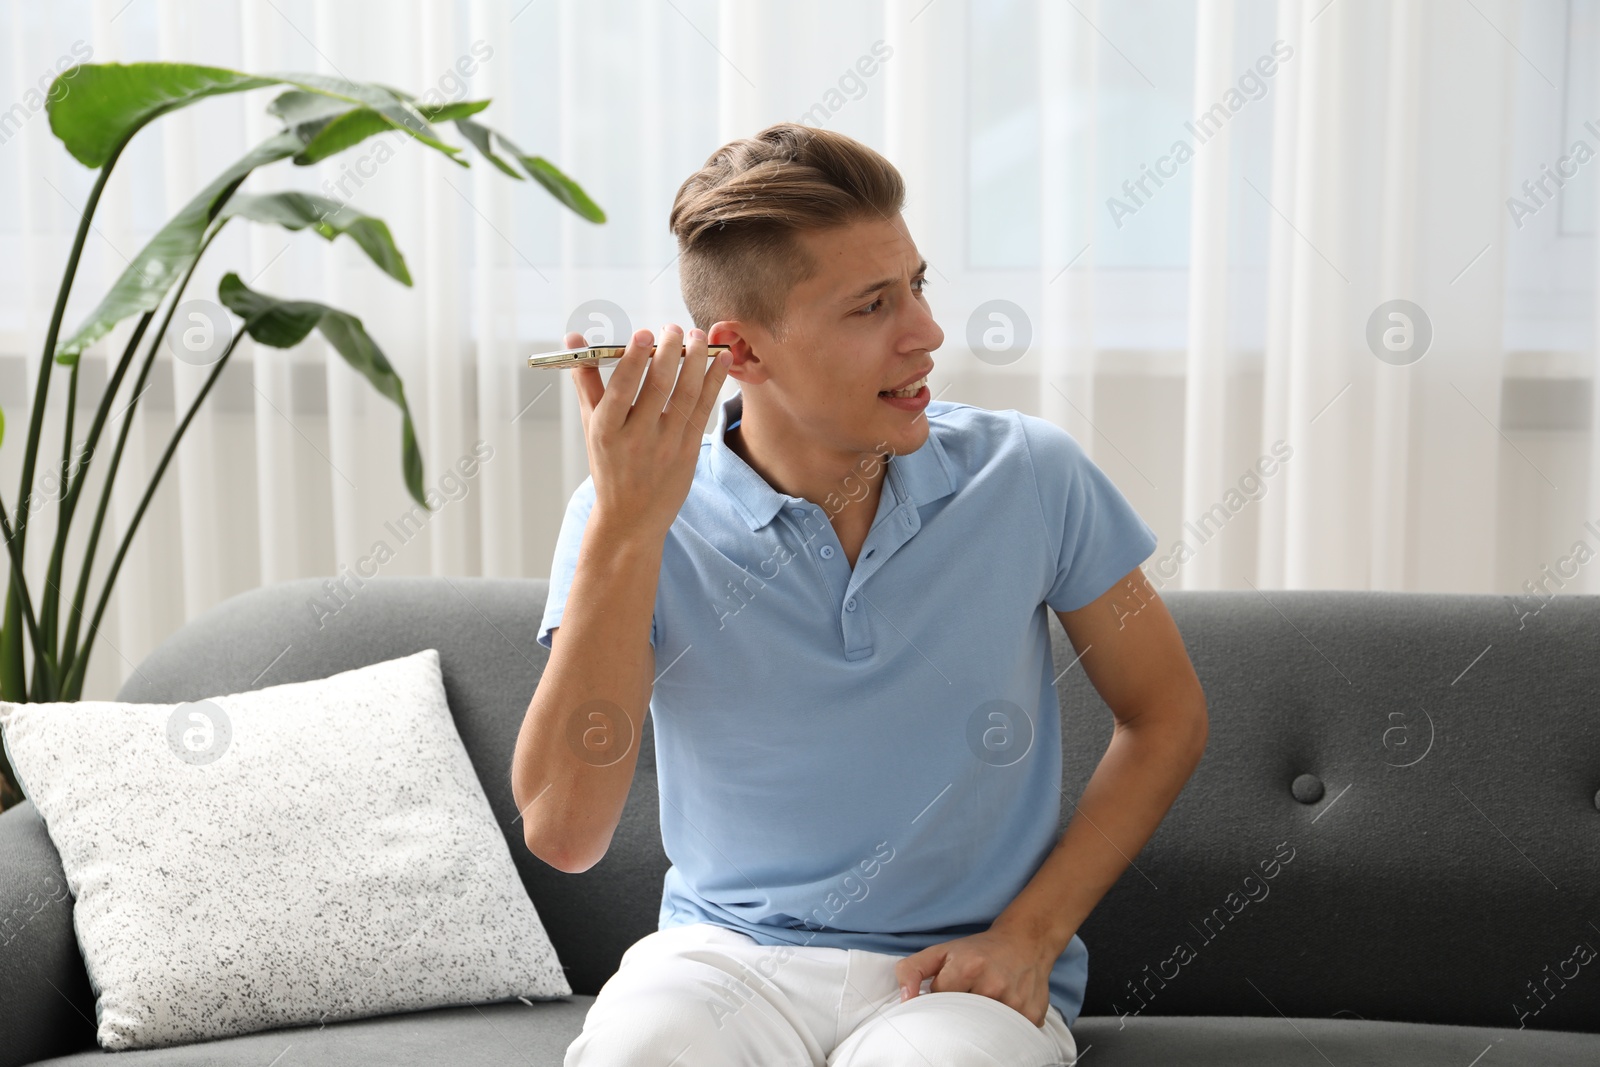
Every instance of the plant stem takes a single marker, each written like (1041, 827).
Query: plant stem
(74, 680)
(48, 602)
(21, 586)
(11, 665)
(69, 504)
(47, 357)
(70, 649)
(70, 644)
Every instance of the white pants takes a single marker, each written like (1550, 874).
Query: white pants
(703, 995)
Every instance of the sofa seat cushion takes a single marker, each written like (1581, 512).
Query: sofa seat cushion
(537, 1035)
(483, 1035)
(1250, 1041)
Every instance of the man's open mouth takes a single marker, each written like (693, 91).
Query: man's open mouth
(909, 391)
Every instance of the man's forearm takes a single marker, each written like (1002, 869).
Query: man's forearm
(600, 669)
(1142, 772)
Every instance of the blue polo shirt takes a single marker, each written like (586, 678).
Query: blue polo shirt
(870, 758)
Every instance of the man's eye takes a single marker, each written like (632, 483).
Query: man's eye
(870, 309)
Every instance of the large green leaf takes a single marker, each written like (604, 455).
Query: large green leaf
(94, 107)
(560, 186)
(397, 110)
(378, 108)
(164, 260)
(343, 128)
(459, 112)
(539, 169)
(449, 112)
(297, 211)
(337, 134)
(329, 125)
(481, 137)
(301, 107)
(285, 323)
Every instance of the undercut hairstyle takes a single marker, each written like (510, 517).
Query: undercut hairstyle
(737, 217)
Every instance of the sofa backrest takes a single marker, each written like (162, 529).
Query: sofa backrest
(1394, 819)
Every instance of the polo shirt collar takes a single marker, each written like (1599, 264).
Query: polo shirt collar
(918, 478)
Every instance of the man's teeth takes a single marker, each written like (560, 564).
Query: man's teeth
(909, 391)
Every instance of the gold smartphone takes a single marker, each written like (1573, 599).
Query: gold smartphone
(594, 355)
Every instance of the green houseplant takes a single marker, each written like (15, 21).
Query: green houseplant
(95, 110)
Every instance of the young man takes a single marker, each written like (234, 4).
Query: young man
(835, 607)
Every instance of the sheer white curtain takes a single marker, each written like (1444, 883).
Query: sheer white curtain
(1199, 319)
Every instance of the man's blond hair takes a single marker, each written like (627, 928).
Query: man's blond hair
(736, 217)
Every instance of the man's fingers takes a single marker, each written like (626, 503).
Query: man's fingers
(625, 377)
(586, 380)
(710, 389)
(919, 967)
(590, 388)
(684, 401)
(664, 366)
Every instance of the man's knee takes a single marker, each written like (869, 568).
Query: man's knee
(645, 1024)
(672, 1016)
(955, 1029)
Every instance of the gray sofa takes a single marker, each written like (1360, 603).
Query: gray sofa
(1388, 854)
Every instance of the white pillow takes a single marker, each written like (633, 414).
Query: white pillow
(292, 855)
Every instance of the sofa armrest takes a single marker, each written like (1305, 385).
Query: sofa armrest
(46, 1004)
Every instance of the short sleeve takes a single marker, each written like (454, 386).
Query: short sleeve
(565, 562)
(1094, 535)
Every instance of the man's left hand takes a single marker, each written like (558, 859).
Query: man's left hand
(997, 963)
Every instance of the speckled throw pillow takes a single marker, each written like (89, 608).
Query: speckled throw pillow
(293, 855)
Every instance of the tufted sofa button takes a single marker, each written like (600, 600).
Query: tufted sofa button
(1597, 800)
(1307, 788)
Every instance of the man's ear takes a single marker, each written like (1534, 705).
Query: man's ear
(747, 366)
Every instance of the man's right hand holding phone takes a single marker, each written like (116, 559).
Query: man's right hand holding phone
(643, 453)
